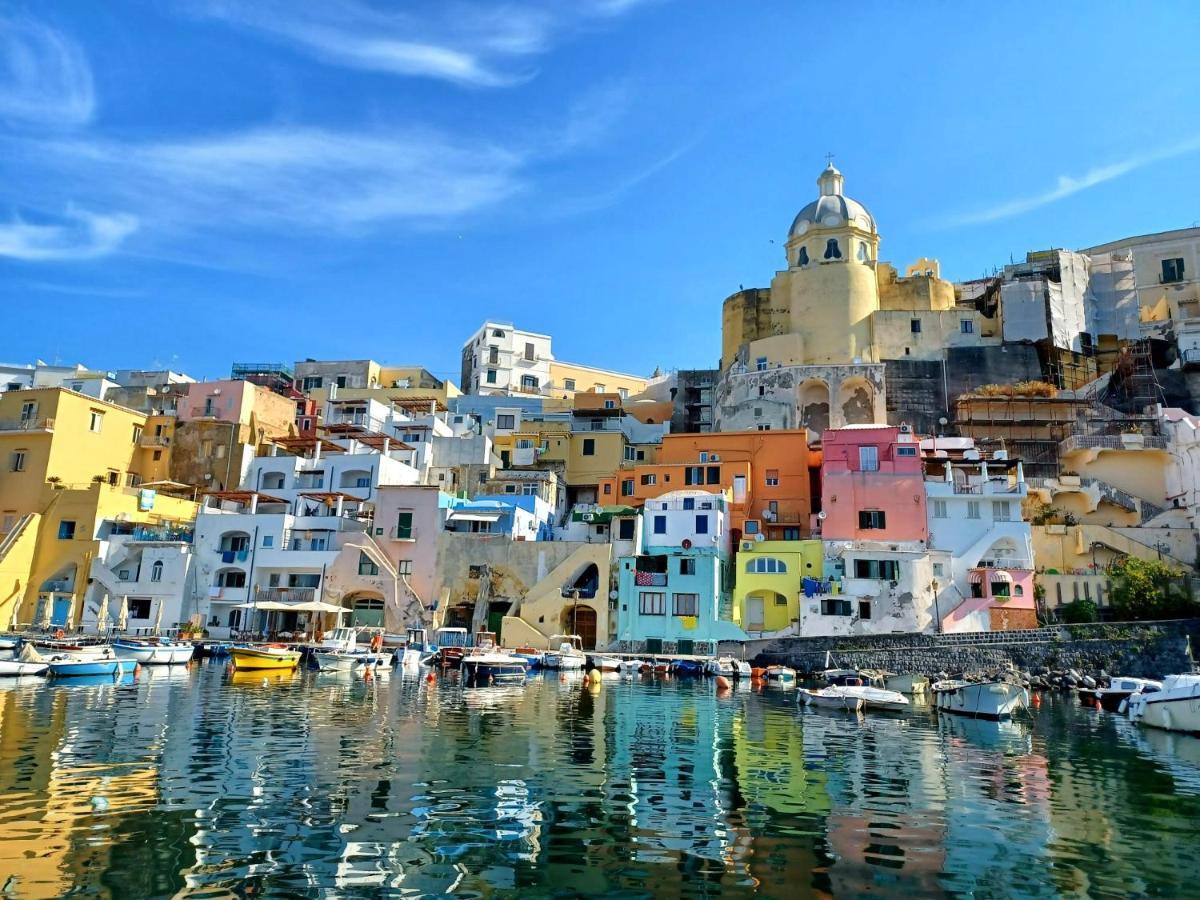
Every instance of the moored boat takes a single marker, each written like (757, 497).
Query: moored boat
(720, 665)
(11, 668)
(417, 652)
(1174, 708)
(832, 697)
(154, 652)
(780, 675)
(532, 656)
(605, 663)
(906, 684)
(983, 700)
(632, 666)
(878, 698)
(274, 656)
(687, 668)
(741, 669)
(452, 646)
(569, 654)
(68, 665)
(492, 666)
(1120, 689)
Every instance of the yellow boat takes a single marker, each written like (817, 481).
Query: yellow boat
(262, 676)
(257, 658)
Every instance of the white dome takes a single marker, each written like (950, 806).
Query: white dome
(832, 209)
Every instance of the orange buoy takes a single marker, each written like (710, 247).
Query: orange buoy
(429, 677)
(722, 683)
(1036, 700)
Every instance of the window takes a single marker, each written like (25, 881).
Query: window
(209, 406)
(879, 569)
(1002, 510)
(18, 461)
(1172, 270)
(906, 451)
(772, 478)
(832, 250)
(156, 571)
(589, 447)
(493, 355)
(972, 509)
(206, 448)
(506, 421)
(650, 479)
(404, 529)
(713, 475)
(687, 565)
(703, 456)
(404, 567)
(834, 606)
(66, 530)
(29, 411)
(862, 252)
(366, 566)
(569, 384)
(598, 388)
(623, 393)
(529, 353)
(689, 502)
(312, 382)
(231, 578)
(607, 489)
(652, 603)
(97, 421)
(137, 433)
(966, 326)
(939, 509)
(751, 526)
(939, 569)
(660, 524)
(802, 257)
(498, 332)
(610, 404)
(766, 565)
(491, 376)
(791, 533)
(864, 609)
(701, 524)
(687, 604)
(693, 475)
(641, 455)
(625, 529)
(626, 487)
(914, 326)
(529, 383)
(872, 518)
(760, 364)
(157, 455)
(510, 489)
(342, 380)
(868, 459)
(139, 607)
(268, 540)
(758, 412)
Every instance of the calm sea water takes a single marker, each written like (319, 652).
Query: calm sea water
(193, 783)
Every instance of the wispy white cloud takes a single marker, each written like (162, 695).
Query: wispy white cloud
(78, 235)
(473, 44)
(1066, 185)
(45, 78)
(81, 290)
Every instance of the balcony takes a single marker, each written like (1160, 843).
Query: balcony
(160, 535)
(1191, 358)
(1114, 442)
(27, 425)
(286, 595)
(1004, 562)
(154, 440)
(402, 534)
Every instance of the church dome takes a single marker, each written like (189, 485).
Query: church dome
(832, 209)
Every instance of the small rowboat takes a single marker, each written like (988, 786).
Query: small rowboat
(780, 675)
(70, 665)
(832, 698)
(154, 653)
(12, 668)
(274, 656)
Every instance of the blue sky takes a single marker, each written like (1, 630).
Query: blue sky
(204, 181)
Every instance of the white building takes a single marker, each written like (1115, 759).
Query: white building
(884, 587)
(149, 570)
(500, 359)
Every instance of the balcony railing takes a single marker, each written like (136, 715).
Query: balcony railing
(286, 595)
(154, 440)
(1005, 562)
(402, 534)
(1114, 442)
(27, 425)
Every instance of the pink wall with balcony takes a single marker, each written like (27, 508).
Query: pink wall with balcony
(993, 610)
(886, 478)
(419, 548)
(230, 401)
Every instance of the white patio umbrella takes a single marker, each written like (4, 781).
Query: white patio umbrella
(102, 615)
(47, 611)
(16, 615)
(123, 614)
(158, 617)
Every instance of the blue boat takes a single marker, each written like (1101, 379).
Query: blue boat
(688, 668)
(83, 681)
(69, 666)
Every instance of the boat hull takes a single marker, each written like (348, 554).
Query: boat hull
(986, 700)
(79, 668)
(907, 684)
(562, 663)
(827, 699)
(1175, 708)
(780, 675)
(10, 668)
(493, 671)
(250, 659)
(166, 654)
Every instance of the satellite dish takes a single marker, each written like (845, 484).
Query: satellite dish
(613, 595)
(759, 538)
(687, 544)
(822, 515)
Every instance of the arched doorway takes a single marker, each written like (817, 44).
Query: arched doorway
(760, 611)
(580, 620)
(367, 611)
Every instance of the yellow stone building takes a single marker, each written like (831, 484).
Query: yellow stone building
(836, 304)
(68, 462)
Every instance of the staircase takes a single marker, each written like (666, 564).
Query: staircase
(11, 539)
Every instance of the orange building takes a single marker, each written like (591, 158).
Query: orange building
(772, 477)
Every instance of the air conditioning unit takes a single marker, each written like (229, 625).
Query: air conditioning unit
(905, 428)
(589, 517)
(712, 457)
(747, 545)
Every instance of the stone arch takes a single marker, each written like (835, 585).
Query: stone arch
(368, 609)
(814, 405)
(580, 619)
(856, 400)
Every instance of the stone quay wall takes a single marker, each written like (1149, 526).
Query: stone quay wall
(1140, 649)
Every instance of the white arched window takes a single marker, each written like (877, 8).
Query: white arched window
(862, 251)
(766, 565)
(156, 571)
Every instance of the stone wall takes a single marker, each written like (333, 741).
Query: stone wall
(1141, 649)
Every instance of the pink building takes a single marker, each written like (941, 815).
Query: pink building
(408, 520)
(872, 485)
(241, 402)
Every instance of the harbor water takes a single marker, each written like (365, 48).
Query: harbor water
(194, 783)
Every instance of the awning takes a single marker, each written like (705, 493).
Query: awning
(265, 606)
(475, 516)
(975, 576)
(1001, 575)
(316, 606)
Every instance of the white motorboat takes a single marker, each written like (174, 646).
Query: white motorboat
(720, 665)
(632, 666)
(492, 666)
(1120, 688)
(832, 697)
(417, 650)
(878, 698)
(11, 668)
(1175, 708)
(741, 669)
(604, 663)
(154, 652)
(981, 700)
(569, 654)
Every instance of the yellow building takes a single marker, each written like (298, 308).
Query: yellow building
(68, 462)
(568, 379)
(770, 582)
(835, 303)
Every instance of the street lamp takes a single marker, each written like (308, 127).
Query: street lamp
(937, 613)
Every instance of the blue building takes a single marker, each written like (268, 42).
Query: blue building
(674, 592)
